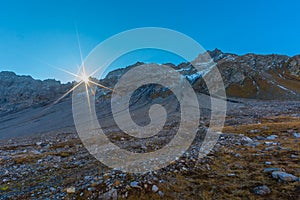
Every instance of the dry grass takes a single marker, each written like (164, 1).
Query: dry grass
(248, 168)
(208, 180)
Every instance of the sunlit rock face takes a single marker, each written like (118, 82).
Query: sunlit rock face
(266, 77)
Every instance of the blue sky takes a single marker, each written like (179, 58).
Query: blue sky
(33, 33)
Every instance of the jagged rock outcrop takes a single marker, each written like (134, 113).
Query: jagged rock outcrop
(20, 92)
(259, 76)
(266, 77)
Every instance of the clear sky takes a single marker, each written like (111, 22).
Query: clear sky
(33, 33)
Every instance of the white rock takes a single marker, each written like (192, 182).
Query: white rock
(71, 190)
(296, 135)
(230, 175)
(154, 188)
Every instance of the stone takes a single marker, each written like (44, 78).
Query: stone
(71, 190)
(283, 176)
(154, 188)
(160, 193)
(272, 169)
(296, 135)
(272, 137)
(255, 131)
(270, 143)
(260, 138)
(255, 144)
(36, 152)
(135, 184)
(39, 143)
(231, 175)
(246, 140)
(262, 190)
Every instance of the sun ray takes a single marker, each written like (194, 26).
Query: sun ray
(100, 85)
(88, 97)
(79, 46)
(68, 92)
(56, 67)
(68, 72)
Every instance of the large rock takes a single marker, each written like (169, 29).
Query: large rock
(283, 176)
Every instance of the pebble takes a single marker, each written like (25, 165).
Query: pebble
(262, 190)
(260, 138)
(71, 190)
(36, 152)
(246, 140)
(231, 175)
(296, 135)
(135, 184)
(160, 193)
(272, 137)
(270, 143)
(154, 188)
(255, 131)
(237, 155)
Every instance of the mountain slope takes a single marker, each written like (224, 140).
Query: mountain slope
(264, 77)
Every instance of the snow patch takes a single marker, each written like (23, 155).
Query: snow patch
(201, 73)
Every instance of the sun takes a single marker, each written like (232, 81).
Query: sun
(84, 78)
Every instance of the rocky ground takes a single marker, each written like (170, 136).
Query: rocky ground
(257, 157)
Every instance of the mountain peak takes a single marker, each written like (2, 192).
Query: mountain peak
(7, 73)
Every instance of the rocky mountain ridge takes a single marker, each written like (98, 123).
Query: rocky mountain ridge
(20, 92)
(251, 76)
(264, 77)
